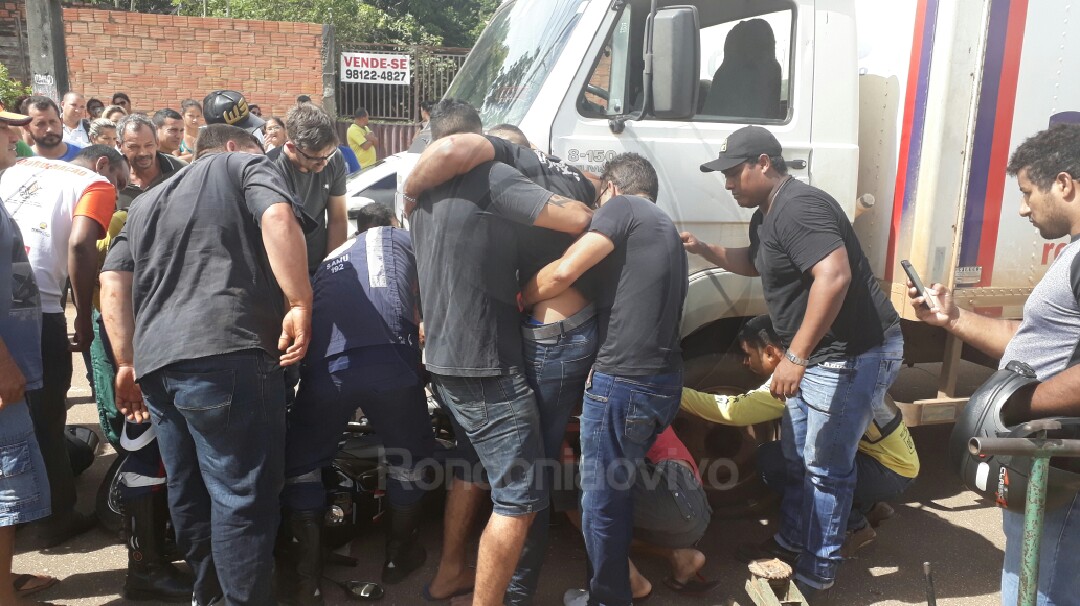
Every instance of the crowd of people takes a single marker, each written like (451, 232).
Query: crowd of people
(233, 326)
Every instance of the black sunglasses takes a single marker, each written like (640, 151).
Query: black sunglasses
(310, 158)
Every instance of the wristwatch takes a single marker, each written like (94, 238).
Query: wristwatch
(796, 360)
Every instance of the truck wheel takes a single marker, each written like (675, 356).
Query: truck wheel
(727, 456)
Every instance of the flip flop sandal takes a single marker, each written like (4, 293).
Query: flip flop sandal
(360, 591)
(426, 594)
(698, 587)
(23, 581)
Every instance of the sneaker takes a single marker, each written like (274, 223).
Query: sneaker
(814, 596)
(575, 597)
(766, 550)
(880, 512)
(856, 540)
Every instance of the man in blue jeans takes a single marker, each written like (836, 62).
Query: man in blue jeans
(205, 297)
(842, 340)
(634, 386)
(559, 334)
(466, 254)
(1047, 170)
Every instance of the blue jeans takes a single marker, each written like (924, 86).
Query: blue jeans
(1059, 556)
(220, 423)
(874, 483)
(497, 424)
(384, 381)
(24, 485)
(557, 368)
(820, 435)
(620, 419)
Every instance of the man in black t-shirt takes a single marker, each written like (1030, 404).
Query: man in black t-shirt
(466, 253)
(840, 333)
(636, 380)
(315, 171)
(560, 334)
(205, 296)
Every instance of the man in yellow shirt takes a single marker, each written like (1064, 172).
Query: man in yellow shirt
(886, 461)
(361, 139)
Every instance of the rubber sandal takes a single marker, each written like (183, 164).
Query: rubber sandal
(426, 594)
(363, 591)
(22, 580)
(698, 587)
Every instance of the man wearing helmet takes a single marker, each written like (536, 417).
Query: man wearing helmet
(1047, 170)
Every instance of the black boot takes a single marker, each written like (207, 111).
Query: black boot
(404, 553)
(305, 556)
(150, 575)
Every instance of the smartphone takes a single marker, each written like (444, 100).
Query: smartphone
(913, 275)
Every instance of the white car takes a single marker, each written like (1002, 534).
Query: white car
(378, 183)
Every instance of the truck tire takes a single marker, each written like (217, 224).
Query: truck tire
(727, 456)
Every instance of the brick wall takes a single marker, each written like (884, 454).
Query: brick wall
(160, 59)
(13, 40)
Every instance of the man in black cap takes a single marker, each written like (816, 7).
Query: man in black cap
(230, 107)
(840, 333)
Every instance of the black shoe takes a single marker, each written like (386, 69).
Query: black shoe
(767, 550)
(815, 597)
(150, 574)
(305, 559)
(59, 530)
(402, 560)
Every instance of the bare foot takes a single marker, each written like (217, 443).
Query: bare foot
(463, 600)
(639, 585)
(445, 585)
(685, 563)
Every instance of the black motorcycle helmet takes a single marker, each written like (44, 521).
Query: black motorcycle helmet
(1004, 479)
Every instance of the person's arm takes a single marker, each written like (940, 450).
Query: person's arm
(445, 159)
(561, 274)
(740, 410)
(82, 269)
(370, 140)
(337, 223)
(287, 252)
(831, 278)
(565, 215)
(735, 260)
(12, 380)
(1058, 396)
(988, 335)
(119, 317)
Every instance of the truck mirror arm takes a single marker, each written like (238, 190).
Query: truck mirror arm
(617, 124)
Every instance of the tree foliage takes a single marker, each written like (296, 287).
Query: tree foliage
(10, 89)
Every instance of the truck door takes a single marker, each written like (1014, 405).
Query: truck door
(756, 68)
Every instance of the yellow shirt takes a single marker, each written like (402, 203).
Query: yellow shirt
(357, 136)
(890, 445)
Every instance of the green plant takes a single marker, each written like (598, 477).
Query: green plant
(10, 89)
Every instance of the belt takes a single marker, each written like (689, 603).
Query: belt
(547, 331)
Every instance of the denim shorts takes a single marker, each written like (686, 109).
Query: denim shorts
(24, 487)
(497, 422)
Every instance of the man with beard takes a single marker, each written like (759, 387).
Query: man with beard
(46, 130)
(170, 130)
(139, 143)
(62, 209)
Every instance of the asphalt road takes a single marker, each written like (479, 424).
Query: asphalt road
(937, 522)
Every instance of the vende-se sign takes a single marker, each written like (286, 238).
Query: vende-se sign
(375, 68)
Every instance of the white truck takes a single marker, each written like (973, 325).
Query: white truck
(907, 110)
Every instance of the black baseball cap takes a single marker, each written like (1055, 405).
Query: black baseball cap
(747, 143)
(230, 107)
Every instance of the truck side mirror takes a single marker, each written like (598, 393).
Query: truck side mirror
(676, 62)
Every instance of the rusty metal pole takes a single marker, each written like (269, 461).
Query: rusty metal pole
(1033, 522)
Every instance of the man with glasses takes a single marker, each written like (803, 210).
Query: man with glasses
(123, 100)
(315, 172)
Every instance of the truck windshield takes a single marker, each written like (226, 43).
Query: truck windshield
(512, 58)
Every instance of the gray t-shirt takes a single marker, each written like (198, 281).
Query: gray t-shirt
(1048, 339)
(643, 284)
(466, 257)
(20, 303)
(202, 283)
(313, 190)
